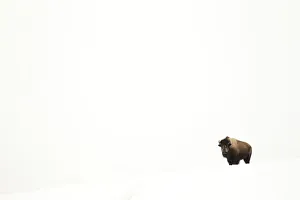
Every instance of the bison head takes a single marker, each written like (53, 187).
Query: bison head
(225, 145)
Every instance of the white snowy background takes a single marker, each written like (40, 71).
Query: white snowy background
(128, 99)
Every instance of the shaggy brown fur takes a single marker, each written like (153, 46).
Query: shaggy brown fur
(235, 150)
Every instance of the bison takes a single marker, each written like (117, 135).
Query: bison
(235, 150)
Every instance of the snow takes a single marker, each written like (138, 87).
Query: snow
(270, 180)
(256, 181)
(126, 100)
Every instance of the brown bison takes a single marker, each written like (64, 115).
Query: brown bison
(235, 150)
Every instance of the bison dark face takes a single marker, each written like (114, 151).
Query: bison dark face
(225, 145)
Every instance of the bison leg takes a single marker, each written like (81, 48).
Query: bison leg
(237, 162)
(231, 161)
(247, 159)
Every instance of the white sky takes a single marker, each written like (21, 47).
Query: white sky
(94, 88)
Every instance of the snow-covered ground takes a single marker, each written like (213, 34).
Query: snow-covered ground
(269, 180)
(278, 180)
(126, 100)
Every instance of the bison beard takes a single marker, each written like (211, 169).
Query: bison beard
(235, 150)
